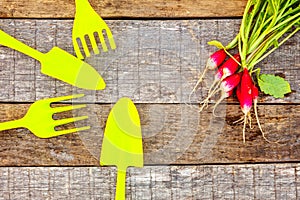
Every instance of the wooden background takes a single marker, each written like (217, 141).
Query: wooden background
(161, 51)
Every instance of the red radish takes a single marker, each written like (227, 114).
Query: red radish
(238, 92)
(246, 92)
(214, 61)
(228, 94)
(254, 98)
(245, 97)
(229, 83)
(228, 68)
(226, 87)
(254, 93)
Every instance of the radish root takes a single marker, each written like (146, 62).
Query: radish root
(247, 119)
(244, 128)
(216, 105)
(205, 102)
(260, 128)
(198, 82)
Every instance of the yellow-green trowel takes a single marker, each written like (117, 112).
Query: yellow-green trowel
(122, 143)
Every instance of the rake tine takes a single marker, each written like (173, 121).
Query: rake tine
(67, 108)
(111, 39)
(68, 120)
(102, 41)
(64, 98)
(85, 47)
(69, 131)
(112, 43)
(94, 44)
(77, 50)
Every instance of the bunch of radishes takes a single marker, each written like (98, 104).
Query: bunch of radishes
(265, 26)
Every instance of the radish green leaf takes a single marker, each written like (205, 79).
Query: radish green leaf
(216, 43)
(273, 85)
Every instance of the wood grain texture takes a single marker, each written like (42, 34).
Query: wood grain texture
(122, 8)
(173, 134)
(155, 61)
(156, 64)
(243, 182)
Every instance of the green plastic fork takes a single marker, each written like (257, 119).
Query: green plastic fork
(39, 121)
(86, 23)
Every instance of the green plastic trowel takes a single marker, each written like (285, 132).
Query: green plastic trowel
(59, 64)
(122, 143)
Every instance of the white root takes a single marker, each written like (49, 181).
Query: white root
(250, 120)
(205, 102)
(239, 121)
(216, 105)
(198, 82)
(244, 128)
(246, 119)
(223, 96)
(259, 125)
(214, 85)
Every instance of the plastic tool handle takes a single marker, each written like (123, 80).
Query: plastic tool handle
(11, 124)
(120, 190)
(9, 41)
(80, 4)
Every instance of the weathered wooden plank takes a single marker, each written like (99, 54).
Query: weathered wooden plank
(155, 62)
(173, 133)
(121, 8)
(244, 176)
(261, 181)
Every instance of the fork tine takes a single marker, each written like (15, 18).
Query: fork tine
(64, 98)
(60, 122)
(77, 50)
(67, 108)
(69, 131)
(102, 40)
(111, 39)
(85, 47)
(94, 43)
